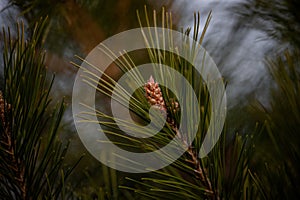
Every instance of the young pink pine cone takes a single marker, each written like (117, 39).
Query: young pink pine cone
(154, 94)
(155, 98)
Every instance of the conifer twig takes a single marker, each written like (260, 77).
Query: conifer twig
(155, 98)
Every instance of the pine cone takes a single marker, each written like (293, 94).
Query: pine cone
(155, 98)
(154, 94)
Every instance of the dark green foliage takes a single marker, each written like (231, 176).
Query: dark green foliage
(31, 155)
(280, 149)
(278, 154)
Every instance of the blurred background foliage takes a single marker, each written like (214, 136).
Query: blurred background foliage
(260, 158)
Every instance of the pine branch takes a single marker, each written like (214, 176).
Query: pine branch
(32, 158)
(155, 98)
